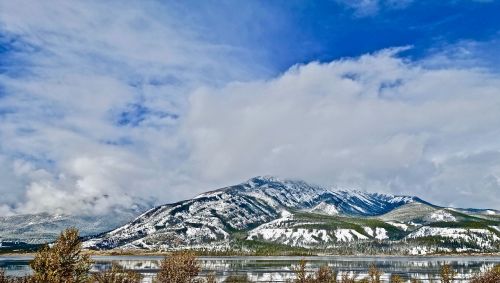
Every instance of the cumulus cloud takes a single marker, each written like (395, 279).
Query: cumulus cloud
(91, 95)
(103, 109)
(377, 122)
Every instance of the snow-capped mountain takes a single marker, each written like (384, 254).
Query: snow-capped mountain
(33, 229)
(212, 216)
(268, 211)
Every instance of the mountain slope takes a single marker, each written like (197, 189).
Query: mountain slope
(214, 218)
(267, 215)
(33, 229)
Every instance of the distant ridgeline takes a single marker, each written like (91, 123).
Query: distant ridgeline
(266, 215)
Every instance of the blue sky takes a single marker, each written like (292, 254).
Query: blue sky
(284, 33)
(158, 101)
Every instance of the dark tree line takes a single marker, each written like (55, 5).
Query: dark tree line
(65, 262)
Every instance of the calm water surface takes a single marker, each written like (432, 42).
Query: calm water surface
(279, 269)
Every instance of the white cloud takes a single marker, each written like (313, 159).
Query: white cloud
(376, 122)
(363, 8)
(91, 100)
(104, 108)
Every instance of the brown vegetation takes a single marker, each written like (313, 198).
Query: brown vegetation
(116, 275)
(447, 273)
(237, 279)
(491, 276)
(181, 267)
(374, 274)
(324, 274)
(345, 278)
(63, 262)
(396, 279)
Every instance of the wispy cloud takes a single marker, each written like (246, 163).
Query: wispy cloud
(363, 8)
(91, 99)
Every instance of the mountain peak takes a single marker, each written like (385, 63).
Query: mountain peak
(265, 179)
(266, 208)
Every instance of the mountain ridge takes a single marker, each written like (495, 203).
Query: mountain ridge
(40, 228)
(266, 210)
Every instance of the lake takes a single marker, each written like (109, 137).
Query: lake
(278, 269)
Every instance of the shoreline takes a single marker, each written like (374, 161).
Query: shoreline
(163, 254)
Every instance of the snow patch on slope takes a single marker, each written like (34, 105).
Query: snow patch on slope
(482, 237)
(348, 235)
(325, 208)
(284, 230)
(368, 231)
(381, 233)
(490, 212)
(442, 216)
(291, 236)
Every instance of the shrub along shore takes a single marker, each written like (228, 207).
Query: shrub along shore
(66, 262)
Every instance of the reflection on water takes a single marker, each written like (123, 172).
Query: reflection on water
(279, 269)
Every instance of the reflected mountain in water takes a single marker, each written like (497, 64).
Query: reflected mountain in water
(279, 269)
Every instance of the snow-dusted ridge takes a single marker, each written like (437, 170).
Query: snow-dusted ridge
(289, 212)
(45, 227)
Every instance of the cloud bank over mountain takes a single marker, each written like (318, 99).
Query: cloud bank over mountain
(104, 105)
(377, 122)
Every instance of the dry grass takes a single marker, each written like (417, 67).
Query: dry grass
(396, 279)
(116, 274)
(237, 279)
(447, 273)
(491, 276)
(323, 275)
(374, 274)
(181, 267)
